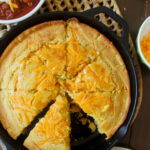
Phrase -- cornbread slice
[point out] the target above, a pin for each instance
(52, 131)
(102, 87)
(29, 69)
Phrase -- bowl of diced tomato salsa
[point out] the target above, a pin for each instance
(13, 11)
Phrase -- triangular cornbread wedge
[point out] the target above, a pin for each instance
(52, 132)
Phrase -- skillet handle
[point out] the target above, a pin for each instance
(112, 14)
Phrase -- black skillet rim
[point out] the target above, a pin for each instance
(120, 43)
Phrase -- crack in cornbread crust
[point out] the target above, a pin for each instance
(87, 37)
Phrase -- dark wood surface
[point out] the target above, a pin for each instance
(138, 137)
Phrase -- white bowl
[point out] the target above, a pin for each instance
(34, 10)
(144, 30)
(119, 148)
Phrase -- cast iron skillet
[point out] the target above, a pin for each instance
(93, 141)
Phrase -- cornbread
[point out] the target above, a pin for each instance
(29, 68)
(52, 132)
(57, 57)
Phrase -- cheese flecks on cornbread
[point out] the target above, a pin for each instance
(57, 57)
(53, 131)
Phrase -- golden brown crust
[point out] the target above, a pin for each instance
(8, 118)
(84, 33)
(30, 145)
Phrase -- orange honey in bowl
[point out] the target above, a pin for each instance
(145, 46)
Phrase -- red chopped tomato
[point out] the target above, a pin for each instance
(23, 7)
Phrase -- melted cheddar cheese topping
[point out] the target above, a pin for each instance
(93, 77)
(38, 70)
(78, 56)
(94, 104)
(55, 126)
(37, 73)
(29, 104)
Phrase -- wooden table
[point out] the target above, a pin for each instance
(138, 137)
